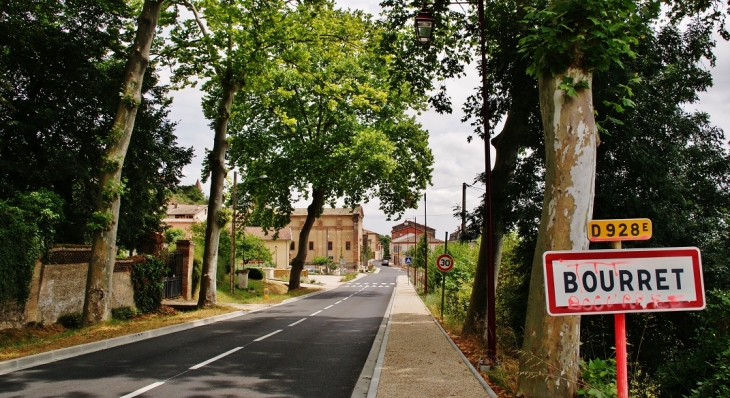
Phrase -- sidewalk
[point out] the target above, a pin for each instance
(418, 359)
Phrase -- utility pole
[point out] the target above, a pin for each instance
(425, 249)
(462, 236)
(233, 235)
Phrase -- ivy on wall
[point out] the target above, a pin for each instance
(147, 274)
(27, 223)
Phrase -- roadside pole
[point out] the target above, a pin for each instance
(619, 330)
(443, 275)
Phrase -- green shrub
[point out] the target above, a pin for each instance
(255, 274)
(147, 281)
(197, 274)
(123, 313)
(598, 378)
(70, 321)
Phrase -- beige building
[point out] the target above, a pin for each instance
(337, 234)
(279, 247)
(371, 240)
(183, 216)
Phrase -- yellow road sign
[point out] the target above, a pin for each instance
(619, 230)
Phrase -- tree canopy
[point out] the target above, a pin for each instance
(330, 122)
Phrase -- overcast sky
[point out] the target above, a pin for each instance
(456, 161)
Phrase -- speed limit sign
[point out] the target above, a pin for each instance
(445, 263)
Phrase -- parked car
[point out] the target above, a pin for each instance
(385, 261)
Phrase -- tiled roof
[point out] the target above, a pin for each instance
(328, 211)
(284, 233)
(369, 232)
(178, 209)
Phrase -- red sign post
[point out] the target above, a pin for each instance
(621, 281)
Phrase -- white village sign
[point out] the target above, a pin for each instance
(620, 281)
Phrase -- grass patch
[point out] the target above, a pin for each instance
(37, 338)
(348, 277)
(278, 292)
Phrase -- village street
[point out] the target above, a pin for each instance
(314, 347)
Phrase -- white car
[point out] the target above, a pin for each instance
(385, 262)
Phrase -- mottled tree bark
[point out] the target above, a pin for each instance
(550, 352)
(97, 301)
(297, 264)
(217, 161)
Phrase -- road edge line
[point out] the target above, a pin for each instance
(74, 351)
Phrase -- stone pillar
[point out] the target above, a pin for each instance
(31, 307)
(187, 248)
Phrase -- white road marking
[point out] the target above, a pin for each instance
(200, 365)
(298, 322)
(268, 335)
(316, 313)
(143, 390)
(338, 302)
(329, 307)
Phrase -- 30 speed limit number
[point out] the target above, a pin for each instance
(445, 263)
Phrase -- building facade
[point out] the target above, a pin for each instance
(336, 234)
(279, 247)
(405, 236)
(183, 216)
(371, 240)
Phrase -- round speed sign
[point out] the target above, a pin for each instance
(445, 263)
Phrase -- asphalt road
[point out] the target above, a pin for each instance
(315, 347)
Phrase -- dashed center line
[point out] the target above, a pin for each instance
(229, 352)
(316, 313)
(298, 322)
(143, 390)
(329, 307)
(338, 302)
(268, 335)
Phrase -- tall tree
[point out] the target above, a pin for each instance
(97, 302)
(227, 43)
(332, 123)
(60, 109)
(569, 41)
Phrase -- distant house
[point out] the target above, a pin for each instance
(183, 216)
(278, 247)
(337, 234)
(406, 235)
(371, 240)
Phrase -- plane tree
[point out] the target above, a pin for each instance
(330, 122)
(227, 45)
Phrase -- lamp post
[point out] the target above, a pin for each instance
(233, 230)
(424, 32)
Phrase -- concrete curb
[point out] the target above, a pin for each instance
(367, 383)
(70, 352)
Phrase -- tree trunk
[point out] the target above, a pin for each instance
(510, 140)
(217, 160)
(550, 352)
(97, 302)
(297, 264)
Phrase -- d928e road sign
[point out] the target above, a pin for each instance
(445, 262)
(619, 230)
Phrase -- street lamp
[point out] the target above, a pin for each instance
(233, 230)
(424, 25)
(424, 31)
